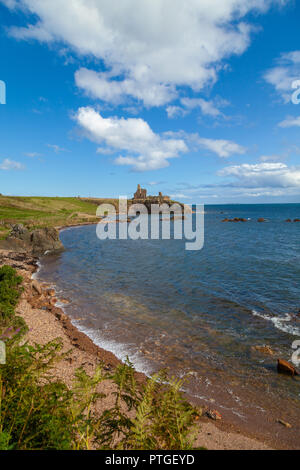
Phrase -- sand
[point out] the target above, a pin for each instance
(46, 322)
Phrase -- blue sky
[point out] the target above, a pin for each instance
(189, 98)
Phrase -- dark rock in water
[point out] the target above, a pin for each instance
(37, 242)
(236, 219)
(264, 350)
(285, 367)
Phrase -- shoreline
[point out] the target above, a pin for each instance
(46, 322)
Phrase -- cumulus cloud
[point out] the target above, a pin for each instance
(144, 150)
(149, 48)
(284, 74)
(263, 175)
(8, 164)
(223, 148)
(290, 122)
(258, 180)
(102, 86)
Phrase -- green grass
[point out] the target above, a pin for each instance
(37, 212)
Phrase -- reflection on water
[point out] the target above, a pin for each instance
(200, 312)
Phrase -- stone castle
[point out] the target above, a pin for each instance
(140, 196)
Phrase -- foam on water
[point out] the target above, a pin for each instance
(121, 351)
(281, 323)
(35, 275)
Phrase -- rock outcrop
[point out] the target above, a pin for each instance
(285, 367)
(36, 243)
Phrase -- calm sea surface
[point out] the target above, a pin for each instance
(194, 311)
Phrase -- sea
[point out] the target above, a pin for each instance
(199, 315)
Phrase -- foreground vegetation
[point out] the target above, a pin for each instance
(39, 412)
(38, 212)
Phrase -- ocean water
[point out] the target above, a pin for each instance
(197, 313)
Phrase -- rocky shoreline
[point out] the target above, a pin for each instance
(47, 322)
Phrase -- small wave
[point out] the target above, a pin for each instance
(281, 323)
(121, 351)
(35, 274)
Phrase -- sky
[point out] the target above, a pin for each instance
(198, 99)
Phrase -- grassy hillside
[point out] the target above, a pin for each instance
(36, 212)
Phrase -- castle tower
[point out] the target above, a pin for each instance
(140, 193)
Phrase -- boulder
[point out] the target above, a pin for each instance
(20, 232)
(45, 239)
(36, 243)
(36, 287)
(285, 367)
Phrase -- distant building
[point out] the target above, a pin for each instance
(141, 196)
(140, 193)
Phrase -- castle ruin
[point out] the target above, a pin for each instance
(140, 196)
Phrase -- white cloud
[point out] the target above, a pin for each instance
(258, 180)
(290, 122)
(270, 158)
(144, 150)
(180, 196)
(208, 108)
(100, 85)
(148, 47)
(56, 148)
(263, 175)
(9, 3)
(175, 111)
(223, 148)
(8, 164)
(33, 154)
(284, 74)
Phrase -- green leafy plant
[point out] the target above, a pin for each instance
(37, 411)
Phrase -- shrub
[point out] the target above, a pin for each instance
(39, 412)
